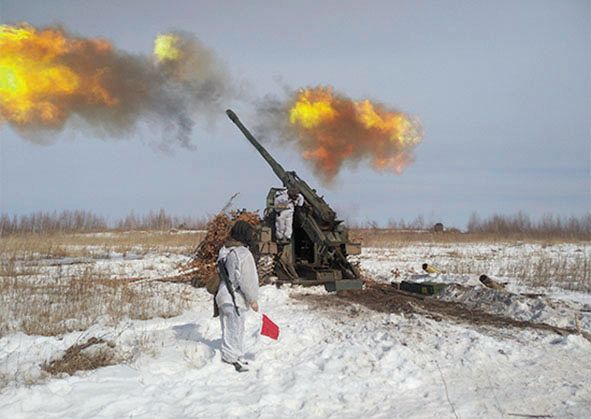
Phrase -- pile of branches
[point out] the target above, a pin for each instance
(201, 266)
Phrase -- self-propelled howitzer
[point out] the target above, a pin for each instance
(317, 252)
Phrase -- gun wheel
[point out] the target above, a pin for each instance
(265, 267)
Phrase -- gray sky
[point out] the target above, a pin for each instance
(503, 90)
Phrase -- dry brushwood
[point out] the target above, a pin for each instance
(251, 218)
(77, 358)
(201, 267)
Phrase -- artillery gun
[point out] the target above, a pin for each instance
(319, 246)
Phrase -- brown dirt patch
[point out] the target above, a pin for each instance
(385, 298)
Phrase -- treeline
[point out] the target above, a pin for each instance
(160, 220)
(496, 224)
(521, 223)
(46, 222)
(86, 221)
(418, 223)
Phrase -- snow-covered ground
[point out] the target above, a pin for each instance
(550, 303)
(523, 265)
(338, 361)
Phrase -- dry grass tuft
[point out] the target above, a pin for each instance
(97, 245)
(59, 306)
(538, 269)
(90, 355)
(42, 293)
(535, 262)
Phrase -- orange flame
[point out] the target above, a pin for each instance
(37, 83)
(333, 129)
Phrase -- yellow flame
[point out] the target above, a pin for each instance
(315, 106)
(396, 125)
(24, 78)
(35, 83)
(312, 107)
(166, 47)
(333, 129)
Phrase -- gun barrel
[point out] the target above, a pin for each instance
(289, 179)
(277, 168)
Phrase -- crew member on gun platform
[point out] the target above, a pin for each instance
(285, 202)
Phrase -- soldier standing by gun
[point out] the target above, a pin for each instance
(238, 291)
(285, 202)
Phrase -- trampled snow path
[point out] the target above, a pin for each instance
(337, 362)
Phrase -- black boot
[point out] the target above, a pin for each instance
(240, 367)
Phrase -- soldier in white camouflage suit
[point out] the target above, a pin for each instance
(285, 203)
(233, 304)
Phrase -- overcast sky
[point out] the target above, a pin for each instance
(503, 90)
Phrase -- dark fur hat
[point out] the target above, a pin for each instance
(241, 231)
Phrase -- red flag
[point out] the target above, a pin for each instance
(269, 328)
